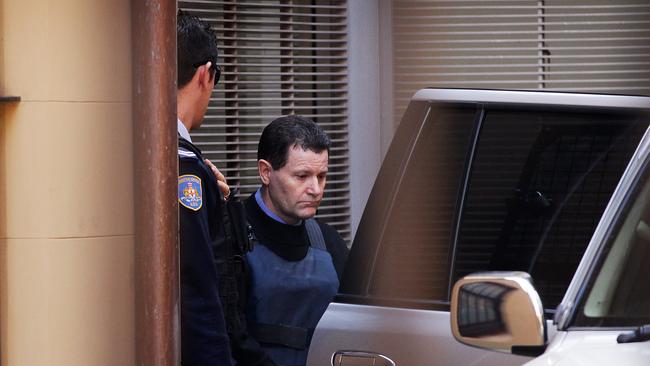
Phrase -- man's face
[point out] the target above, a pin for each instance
(295, 191)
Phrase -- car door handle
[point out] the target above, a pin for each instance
(359, 358)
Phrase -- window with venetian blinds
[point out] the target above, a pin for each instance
(565, 45)
(278, 57)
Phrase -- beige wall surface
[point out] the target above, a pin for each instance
(66, 211)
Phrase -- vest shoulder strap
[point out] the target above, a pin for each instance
(315, 234)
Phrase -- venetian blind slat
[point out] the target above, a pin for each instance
(334, 116)
(219, 5)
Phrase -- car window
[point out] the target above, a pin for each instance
(618, 293)
(413, 257)
(532, 185)
(539, 183)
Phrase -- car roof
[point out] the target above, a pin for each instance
(533, 98)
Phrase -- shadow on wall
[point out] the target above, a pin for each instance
(6, 112)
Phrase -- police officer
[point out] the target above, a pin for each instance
(296, 263)
(204, 340)
(213, 236)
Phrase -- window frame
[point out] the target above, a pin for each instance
(278, 57)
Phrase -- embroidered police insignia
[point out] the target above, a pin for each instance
(190, 193)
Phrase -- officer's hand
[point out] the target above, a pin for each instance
(221, 180)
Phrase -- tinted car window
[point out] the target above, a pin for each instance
(476, 189)
(413, 257)
(539, 184)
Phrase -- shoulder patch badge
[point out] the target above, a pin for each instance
(190, 192)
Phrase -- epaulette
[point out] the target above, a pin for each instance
(184, 153)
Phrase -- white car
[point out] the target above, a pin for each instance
(475, 180)
(604, 318)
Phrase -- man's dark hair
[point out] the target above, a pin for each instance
(289, 131)
(196, 45)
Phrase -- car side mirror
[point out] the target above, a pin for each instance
(499, 311)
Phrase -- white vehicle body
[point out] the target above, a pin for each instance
(592, 348)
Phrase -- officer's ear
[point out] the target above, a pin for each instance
(203, 73)
(264, 168)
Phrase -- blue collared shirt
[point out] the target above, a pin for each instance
(267, 211)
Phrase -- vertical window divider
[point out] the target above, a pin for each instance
(462, 194)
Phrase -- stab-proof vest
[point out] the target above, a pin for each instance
(287, 298)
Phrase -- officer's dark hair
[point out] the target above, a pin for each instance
(196, 45)
(289, 131)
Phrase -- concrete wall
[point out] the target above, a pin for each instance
(370, 104)
(66, 211)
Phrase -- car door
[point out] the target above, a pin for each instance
(468, 187)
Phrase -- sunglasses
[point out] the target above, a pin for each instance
(215, 67)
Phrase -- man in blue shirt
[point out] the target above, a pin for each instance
(296, 263)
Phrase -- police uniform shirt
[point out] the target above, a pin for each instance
(204, 340)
